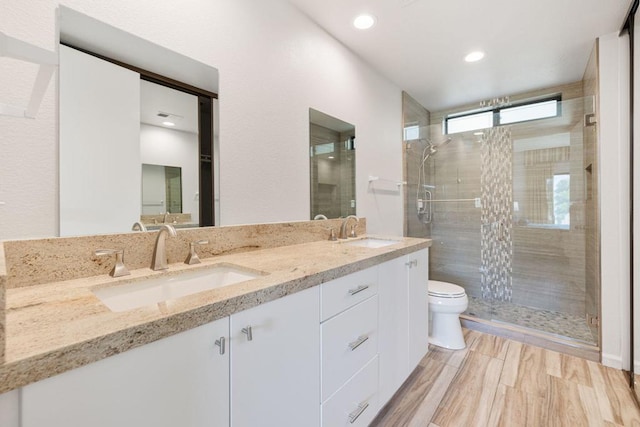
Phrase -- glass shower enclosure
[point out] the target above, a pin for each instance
(512, 212)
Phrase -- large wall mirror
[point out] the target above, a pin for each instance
(137, 133)
(332, 166)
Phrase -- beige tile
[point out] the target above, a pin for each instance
(532, 377)
(553, 363)
(589, 401)
(564, 404)
(490, 345)
(432, 399)
(549, 389)
(511, 364)
(514, 407)
(478, 377)
(575, 369)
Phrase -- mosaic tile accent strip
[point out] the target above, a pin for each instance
(496, 219)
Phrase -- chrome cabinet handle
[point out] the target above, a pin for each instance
(358, 289)
(355, 414)
(248, 332)
(412, 263)
(220, 342)
(357, 343)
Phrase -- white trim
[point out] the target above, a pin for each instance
(612, 361)
(613, 127)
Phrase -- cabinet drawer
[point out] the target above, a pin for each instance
(349, 341)
(356, 403)
(344, 292)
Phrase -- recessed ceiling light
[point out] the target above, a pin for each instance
(331, 157)
(168, 124)
(364, 21)
(474, 56)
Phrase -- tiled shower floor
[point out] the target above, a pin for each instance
(553, 322)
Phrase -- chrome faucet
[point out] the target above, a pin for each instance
(138, 226)
(193, 258)
(166, 215)
(119, 268)
(343, 228)
(159, 260)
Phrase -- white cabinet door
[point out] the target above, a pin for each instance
(393, 329)
(404, 319)
(177, 381)
(418, 306)
(10, 408)
(275, 363)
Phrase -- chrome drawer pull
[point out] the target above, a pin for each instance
(355, 414)
(357, 343)
(248, 332)
(358, 289)
(221, 343)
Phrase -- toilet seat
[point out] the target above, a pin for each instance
(445, 290)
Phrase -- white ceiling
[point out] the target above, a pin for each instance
(420, 44)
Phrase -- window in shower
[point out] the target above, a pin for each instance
(499, 116)
(528, 112)
(411, 132)
(468, 122)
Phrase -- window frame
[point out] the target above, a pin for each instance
(496, 111)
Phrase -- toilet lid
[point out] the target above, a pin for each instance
(445, 289)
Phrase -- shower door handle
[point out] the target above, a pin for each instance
(429, 207)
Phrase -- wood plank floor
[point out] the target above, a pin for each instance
(499, 382)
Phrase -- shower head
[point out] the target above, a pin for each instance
(433, 148)
(445, 142)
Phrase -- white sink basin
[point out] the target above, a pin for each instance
(158, 289)
(371, 243)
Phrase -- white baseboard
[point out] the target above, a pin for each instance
(612, 361)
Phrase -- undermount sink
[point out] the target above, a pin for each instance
(158, 289)
(370, 242)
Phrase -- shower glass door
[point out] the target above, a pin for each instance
(512, 212)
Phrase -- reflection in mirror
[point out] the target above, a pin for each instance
(161, 189)
(169, 154)
(125, 102)
(332, 166)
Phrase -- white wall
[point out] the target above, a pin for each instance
(168, 147)
(613, 126)
(274, 64)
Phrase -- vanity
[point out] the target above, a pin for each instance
(319, 333)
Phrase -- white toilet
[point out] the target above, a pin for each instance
(446, 302)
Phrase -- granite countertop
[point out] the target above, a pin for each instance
(55, 327)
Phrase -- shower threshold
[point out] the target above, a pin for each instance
(533, 337)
